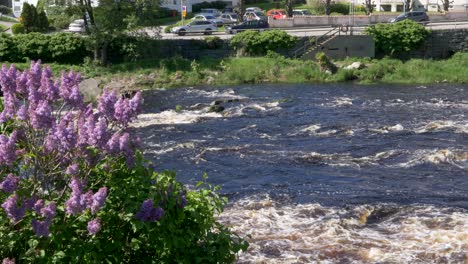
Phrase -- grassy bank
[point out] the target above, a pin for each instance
(178, 72)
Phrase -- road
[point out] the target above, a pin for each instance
(319, 31)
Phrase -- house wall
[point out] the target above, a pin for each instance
(358, 20)
(177, 4)
(17, 6)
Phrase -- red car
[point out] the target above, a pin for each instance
(277, 13)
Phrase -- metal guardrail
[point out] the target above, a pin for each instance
(309, 44)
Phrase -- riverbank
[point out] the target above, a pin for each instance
(180, 72)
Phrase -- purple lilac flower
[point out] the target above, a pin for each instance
(22, 113)
(87, 199)
(10, 183)
(8, 149)
(10, 103)
(106, 103)
(72, 170)
(35, 74)
(49, 211)
(113, 145)
(8, 79)
(21, 82)
(94, 226)
(65, 134)
(183, 201)
(148, 213)
(74, 204)
(41, 228)
(41, 115)
(38, 205)
(48, 88)
(126, 110)
(69, 89)
(8, 261)
(99, 198)
(100, 134)
(14, 212)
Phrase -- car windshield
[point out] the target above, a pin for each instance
(234, 16)
(209, 17)
(402, 15)
(259, 14)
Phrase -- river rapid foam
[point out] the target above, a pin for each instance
(324, 173)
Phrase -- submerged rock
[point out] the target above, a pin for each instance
(216, 108)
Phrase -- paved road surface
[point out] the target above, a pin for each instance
(317, 31)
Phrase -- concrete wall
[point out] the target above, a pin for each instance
(441, 44)
(340, 47)
(358, 20)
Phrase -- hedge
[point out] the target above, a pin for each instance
(60, 47)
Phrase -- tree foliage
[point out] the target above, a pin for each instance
(394, 38)
(253, 43)
(33, 20)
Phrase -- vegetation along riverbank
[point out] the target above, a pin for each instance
(180, 72)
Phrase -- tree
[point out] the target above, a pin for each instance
(407, 5)
(327, 7)
(114, 18)
(446, 4)
(369, 6)
(28, 17)
(42, 22)
(289, 7)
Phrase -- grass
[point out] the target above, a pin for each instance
(8, 19)
(180, 72)
(2, 28)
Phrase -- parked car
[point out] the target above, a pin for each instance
(254, 16)
(197, 26)
(301, 12)
(77, 26)
(229, 18)
(258, 25)
(276, 14)
(417, 16)
(253, 9)
(218, 22)
(212, 11)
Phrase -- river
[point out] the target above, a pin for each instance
(336, 173)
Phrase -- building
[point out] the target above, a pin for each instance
(417, 5)
(177, 4)
(17, 6)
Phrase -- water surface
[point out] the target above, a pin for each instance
(325, 173)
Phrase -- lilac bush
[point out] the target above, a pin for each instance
(74, 187)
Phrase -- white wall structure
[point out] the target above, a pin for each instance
(177, 4)
(17, 6)
(417, 5)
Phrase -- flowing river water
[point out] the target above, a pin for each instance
(325, 173)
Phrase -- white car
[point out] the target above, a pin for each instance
(197, 26)
(253, 9)
(77, 26)
(211, 18)
(229, 18)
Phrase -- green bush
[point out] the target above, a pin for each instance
(5, 10)
(394, 38)
(18, 28)
(253, 43)
(61, 47)
(341, 8)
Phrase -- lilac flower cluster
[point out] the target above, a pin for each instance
(8, 261)
(94, 226)
(80, 201)
(41, 228)
(10, 183)
(8, 149)
(149, 213)
(52, 122)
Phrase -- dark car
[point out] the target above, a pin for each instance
(417, 16)
(258, 25)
